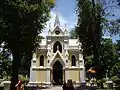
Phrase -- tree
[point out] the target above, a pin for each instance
(108, 57)
(6, 64)
(118, 49)
(89, 29)
(115, 71)
(73, 34)
(25, 64)
(22, 21)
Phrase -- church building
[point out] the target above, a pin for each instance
(58, 58)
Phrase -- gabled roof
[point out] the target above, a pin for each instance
(57, 54)
(58, 29)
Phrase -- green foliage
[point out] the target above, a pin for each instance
(115, 70)
(85, 28)
(114, 78)
(73, 34)
(118, 46)
(23, 77)
(21, 23)
(6, 61)
(114, 27)
(103, 80)
(108, 57)
(88, 62)
(25, 24)
(89, 29)
(109, 63)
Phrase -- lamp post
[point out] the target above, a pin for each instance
(107, 75)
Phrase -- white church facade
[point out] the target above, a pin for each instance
(57, 59)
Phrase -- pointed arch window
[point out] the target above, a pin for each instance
(41, 60)
(73, 59)
(57, 46)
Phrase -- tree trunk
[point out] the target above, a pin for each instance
(29, 61)
(15, 68)
(96, 40)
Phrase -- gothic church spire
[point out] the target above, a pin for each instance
(57, 21)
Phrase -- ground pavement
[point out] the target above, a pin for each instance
(60, 88)
(53, 88)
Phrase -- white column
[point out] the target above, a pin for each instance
(82, 68)
(48, 68)
(66, 74)
(32, 75)
(34, 59)
(82, 74)
(32, 71)
(7, 85)
(48, 76)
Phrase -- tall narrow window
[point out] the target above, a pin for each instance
(73, 63)
(41, 60)
(57, 46)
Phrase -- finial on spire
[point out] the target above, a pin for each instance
(65, 25)
(65, 30)
(49, 25)
(49, 31)
(57, 21)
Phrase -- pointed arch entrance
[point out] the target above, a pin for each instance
(57, 73)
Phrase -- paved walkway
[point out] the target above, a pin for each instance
(53, 88)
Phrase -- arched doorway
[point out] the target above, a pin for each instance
(58, 73)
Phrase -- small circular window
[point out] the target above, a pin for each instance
(57, 32)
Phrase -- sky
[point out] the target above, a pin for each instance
(67, 14)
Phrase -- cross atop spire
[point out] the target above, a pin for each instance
(57, 21)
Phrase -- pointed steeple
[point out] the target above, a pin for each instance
(57, 21)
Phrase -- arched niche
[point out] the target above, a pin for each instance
(41, 60)
(57, 46)
(73, 60)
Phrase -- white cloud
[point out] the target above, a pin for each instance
(70, 23)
